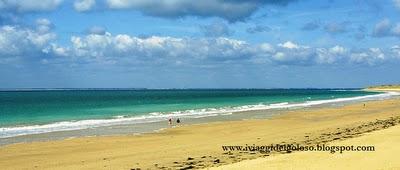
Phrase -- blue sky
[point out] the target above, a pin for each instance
(192, 44)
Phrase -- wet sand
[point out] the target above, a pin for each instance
(199, 146)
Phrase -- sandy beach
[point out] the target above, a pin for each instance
(205, 85)
(384, 157)
(383, 88)
(200, 146)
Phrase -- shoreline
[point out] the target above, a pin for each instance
(186, 146)
(260, 112)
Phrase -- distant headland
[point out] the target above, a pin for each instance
(389, 87)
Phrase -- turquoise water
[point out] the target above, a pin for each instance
(40, 107)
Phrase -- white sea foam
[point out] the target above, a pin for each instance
(6, 132)
(279, 104)
(347, 90)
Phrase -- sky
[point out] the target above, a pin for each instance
(199, 44)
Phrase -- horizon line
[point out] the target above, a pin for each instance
(56, 89)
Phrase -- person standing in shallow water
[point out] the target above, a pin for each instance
(178, 121)
(170, 121)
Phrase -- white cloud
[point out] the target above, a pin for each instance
(43, 25)
(294, 54)
(338, 50)
(266, 47)
(382, 28)
(97, 30)
(43, 21)
(377, 53)
(336, 28)
(56, 50)
(20, 42)
(395, 51)
(280, 56)
(385, 28)
(324, 56)
(331, 55)
(289, 44)
(372, 56)
(84, 5)
(359, 57)
(397, 3)
(155, 49)
(216, 29)
(396, 30)
(29, 5)
(290, 53)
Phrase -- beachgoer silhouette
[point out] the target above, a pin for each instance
(170, 121)
(178, 121)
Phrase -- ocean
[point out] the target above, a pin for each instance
(27, 112)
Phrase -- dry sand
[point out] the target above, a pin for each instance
(199, 146)
(383, 89)
(385, 156)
